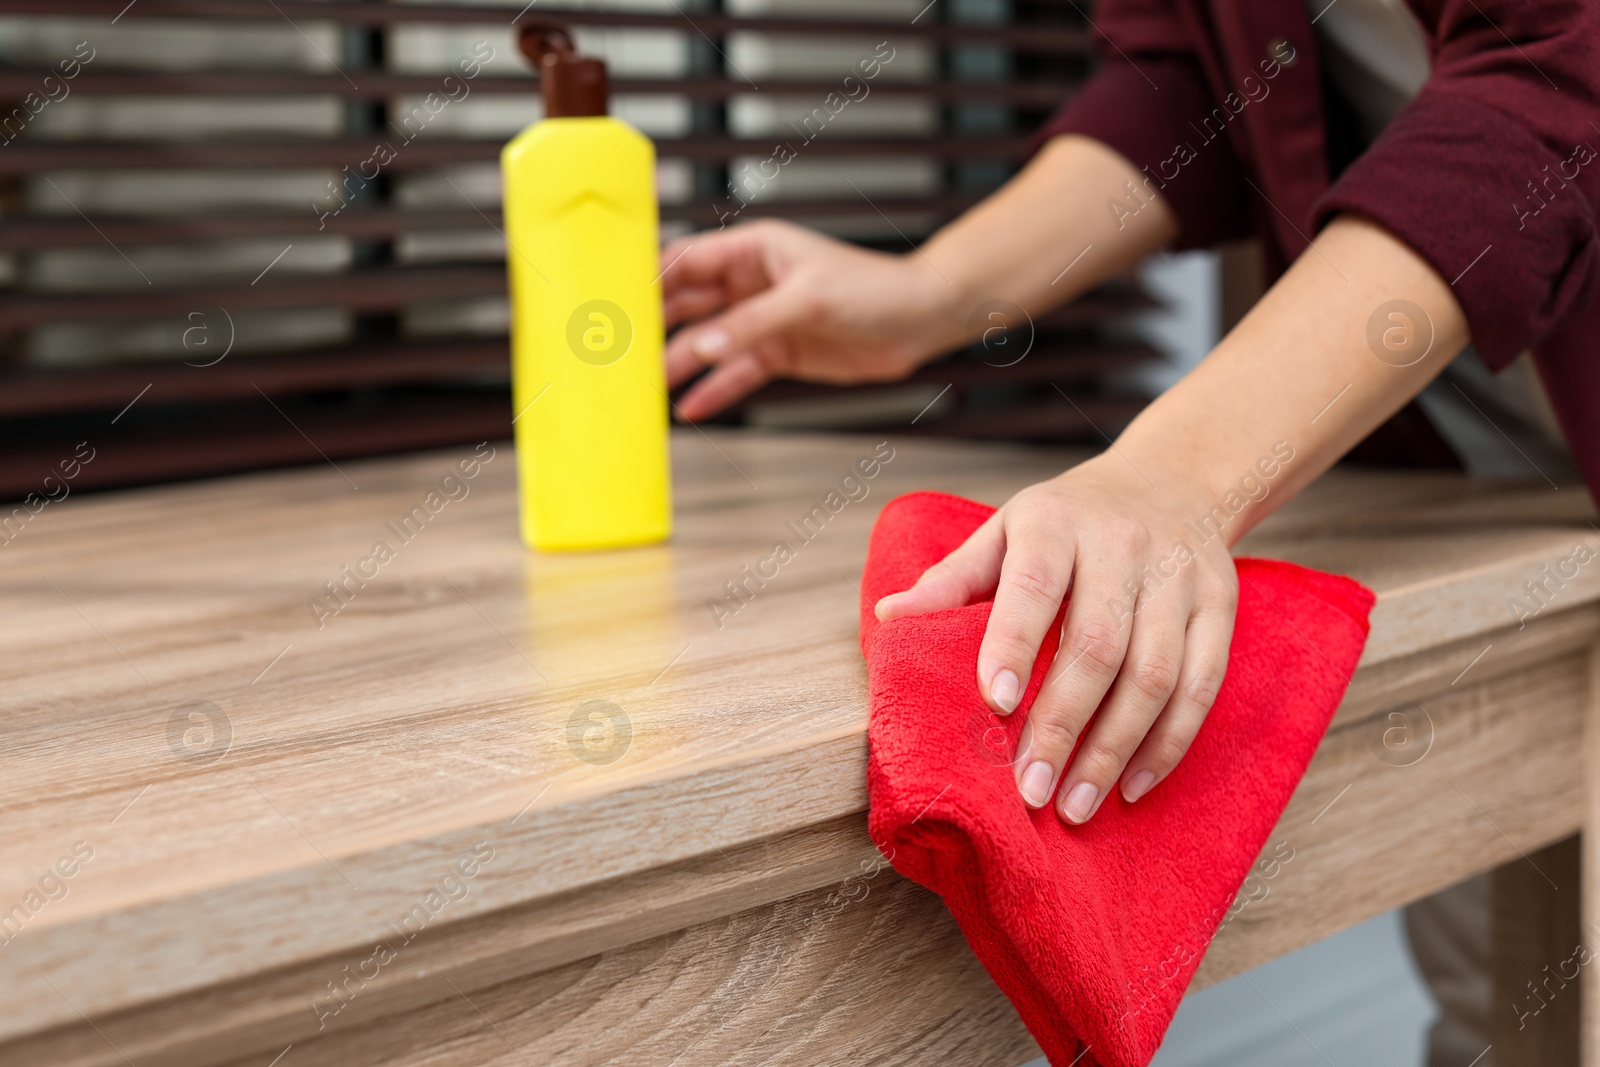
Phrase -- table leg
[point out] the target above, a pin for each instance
(1537, 959)
(1590, 1026)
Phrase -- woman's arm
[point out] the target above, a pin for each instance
(774, 299)
(1077, 215)
(1138, 536)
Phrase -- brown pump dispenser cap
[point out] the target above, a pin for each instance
(574, 86)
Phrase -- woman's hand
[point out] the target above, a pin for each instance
(771, 299)
(1145, 639)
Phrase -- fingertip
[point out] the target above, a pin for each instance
(1138, 785)
(1005, 691)
(727, 383)
(917, 600)
(1035, 784)
(1079, 803)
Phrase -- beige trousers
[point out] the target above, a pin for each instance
(1450, 935)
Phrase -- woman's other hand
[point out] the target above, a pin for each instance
(771, 299)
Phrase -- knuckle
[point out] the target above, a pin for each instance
(811, 304)
(822, 314)
(1027, 497)
(1036, 584)
(1131, 535)
(1034, 511)
(1220, 594)
(1098, 644)
(1053, 735)
(1102, 762)
(932, 582)
(1202, 689)
(1008, 644)
(1155, 676)
(1167, 749)
(769, 360)
(782, 232)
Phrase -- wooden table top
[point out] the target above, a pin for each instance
(258, 781)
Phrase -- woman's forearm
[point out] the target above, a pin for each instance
(1355, 329)
(1047, 236)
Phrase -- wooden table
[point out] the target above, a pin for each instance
(486, 806)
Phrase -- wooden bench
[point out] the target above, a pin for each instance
(484, 806)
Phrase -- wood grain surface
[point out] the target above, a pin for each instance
(266, 789)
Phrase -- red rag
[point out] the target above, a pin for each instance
(1092, 931)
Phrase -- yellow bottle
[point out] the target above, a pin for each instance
(588, 386)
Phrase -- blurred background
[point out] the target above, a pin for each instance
(246, 233)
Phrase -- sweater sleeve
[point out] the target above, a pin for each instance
(1145, 103)
(1492, 173)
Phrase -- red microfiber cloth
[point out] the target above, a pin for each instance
(1093, 931)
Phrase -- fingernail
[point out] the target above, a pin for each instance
(1036, 784)
(1080, 802)
(711, 344)
(883, 605)
(1138, 786)
(1003, 690)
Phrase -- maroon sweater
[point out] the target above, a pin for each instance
(1492, 174)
